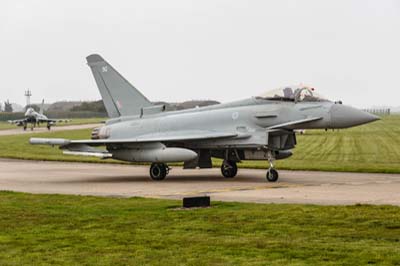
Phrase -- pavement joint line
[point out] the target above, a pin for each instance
(213, 191)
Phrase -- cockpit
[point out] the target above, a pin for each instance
(29, 111)
(292, 94)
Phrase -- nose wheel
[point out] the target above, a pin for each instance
(229, 169)
(272, 175)
(158, 171)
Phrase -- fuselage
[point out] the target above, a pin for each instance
(249, 119)
(32, 116)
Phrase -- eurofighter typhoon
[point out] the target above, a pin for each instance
(258, 128)
(34, 118)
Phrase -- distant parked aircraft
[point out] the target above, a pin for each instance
(258, 128)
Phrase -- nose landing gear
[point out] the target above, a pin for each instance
(272, 175)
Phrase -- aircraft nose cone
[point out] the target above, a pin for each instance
(343, 116)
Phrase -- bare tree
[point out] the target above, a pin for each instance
(8, 107)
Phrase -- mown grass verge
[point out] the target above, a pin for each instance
(81, 230)
(371, 148)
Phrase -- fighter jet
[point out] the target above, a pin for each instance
(258, 128)
(34, 118)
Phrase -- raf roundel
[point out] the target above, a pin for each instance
(235, 115)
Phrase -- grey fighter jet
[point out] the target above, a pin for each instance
(258, 128)
(34, 118)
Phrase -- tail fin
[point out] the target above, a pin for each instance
(119, 96)
(42, 107)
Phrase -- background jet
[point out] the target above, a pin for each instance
(34, 118)
(258, 128)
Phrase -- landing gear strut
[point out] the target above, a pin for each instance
(229, 169)
(48, 126)
(272, 175)
(158, 171)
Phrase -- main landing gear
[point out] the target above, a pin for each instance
(48, 126)
(158, 171)
(25, 126)
(229, 169)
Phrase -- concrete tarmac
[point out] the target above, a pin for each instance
(19, 130)
(323, 188)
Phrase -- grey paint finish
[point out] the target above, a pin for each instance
(119, 96)
(255, 128)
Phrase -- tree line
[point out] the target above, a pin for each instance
(7, 107)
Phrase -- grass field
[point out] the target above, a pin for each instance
(77, 230)
(75, 121)
(373, 147)
(370, 148)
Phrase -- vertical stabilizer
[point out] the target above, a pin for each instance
(41, 107)
(119, 96)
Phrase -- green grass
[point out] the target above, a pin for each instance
(18, 147)
(6, 125)
(75, 121)
(371, 148)
(78, 230)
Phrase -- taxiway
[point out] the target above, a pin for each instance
(19, 130)
(324, 188)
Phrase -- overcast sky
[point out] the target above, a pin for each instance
(204, 49)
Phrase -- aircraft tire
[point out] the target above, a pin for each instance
(158, 171)
(272, 175)
(229, 169)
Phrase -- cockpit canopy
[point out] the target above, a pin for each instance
(29, 111)
(293, 93)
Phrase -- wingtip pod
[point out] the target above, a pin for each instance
(94, 58)
(44, 141)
